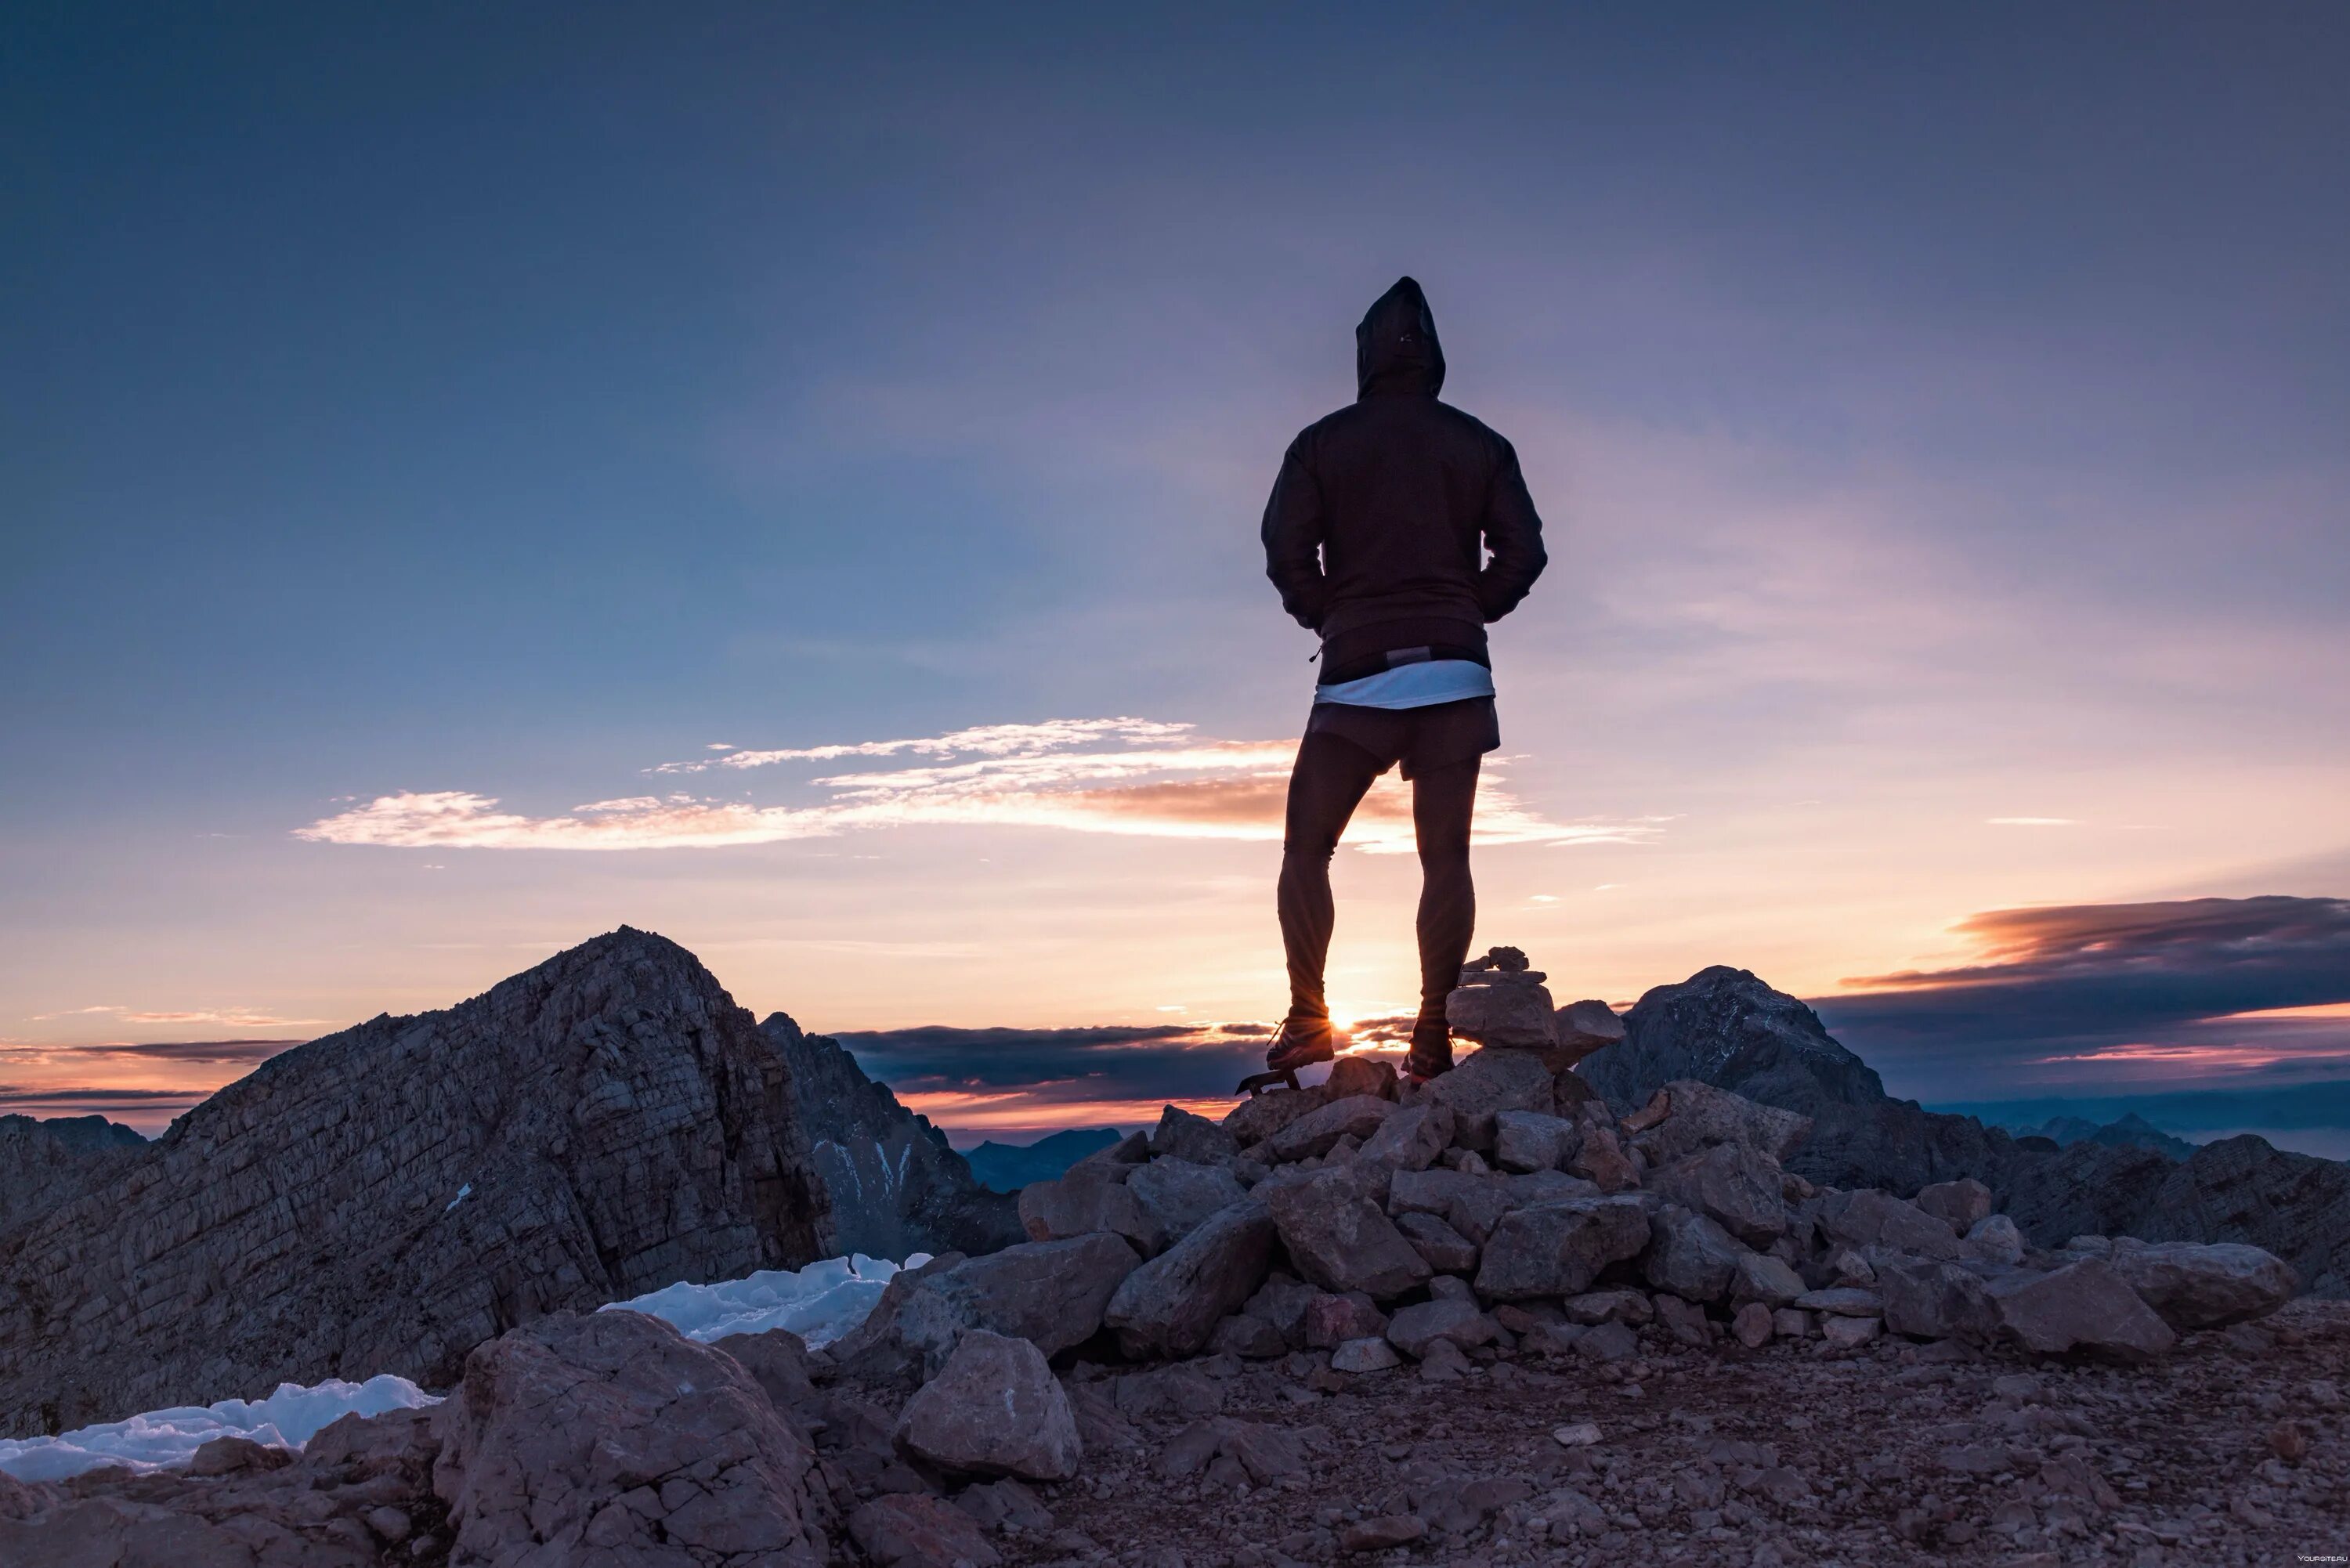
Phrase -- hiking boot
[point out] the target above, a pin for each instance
(1432, 1050)
(1301, 1043)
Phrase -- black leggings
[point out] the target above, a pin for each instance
(1325, 787)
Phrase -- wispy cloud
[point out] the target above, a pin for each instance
(183, 1053)
(2031, 822)
(1152, 779)
(228, 1018)
(2096, 992)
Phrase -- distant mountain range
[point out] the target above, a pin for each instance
(1009, 1167)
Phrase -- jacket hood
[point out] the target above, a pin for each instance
(1396, 348)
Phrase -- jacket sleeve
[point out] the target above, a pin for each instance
(1293, 532)
(1514, 534)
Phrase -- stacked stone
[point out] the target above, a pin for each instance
(1499, 1208)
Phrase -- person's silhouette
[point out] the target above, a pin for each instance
(1378, 537)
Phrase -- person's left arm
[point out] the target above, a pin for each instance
(1513, 532)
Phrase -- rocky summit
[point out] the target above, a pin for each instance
(387, 1198)
(1487, 1319)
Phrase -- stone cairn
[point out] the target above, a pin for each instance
(1501, 1208)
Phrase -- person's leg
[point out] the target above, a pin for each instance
(1324, 786)
(1442, 801)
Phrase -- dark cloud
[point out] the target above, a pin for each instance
(1143, 1062)
(228, 1052)
(2068, 994)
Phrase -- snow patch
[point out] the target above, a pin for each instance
(463, 1193)
(287, 1419)
(820, 1302)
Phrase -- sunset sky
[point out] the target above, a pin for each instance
(788, 479)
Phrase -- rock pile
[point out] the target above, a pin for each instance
(1500, 1206)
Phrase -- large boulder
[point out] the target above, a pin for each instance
(1358, 1117)
(2084, 1306)
(1872, 1219)
(1689, 1256)
(1529, 1141)
(1175, 1196)
(1259, 1117)
(1736, 1186)
(1338, 1237)
(994, 1409)
(1051, 1293)
(1410, 1139)
(910, 1530)
(1931, 1300)
(1503, 1009)
(1583, 1027)
(1170, 1306)
(2191, 1285)
(613, 1437)
(1559, 1249)
(1963, 1204)
(1181, 1134)
(1759, 1277)
(1088, 1199)
(1490, 1082)
(1415, 1328)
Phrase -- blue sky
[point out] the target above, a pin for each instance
(1937, 416)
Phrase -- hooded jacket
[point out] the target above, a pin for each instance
(1380, 520)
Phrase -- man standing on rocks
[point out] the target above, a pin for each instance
(1378, 536)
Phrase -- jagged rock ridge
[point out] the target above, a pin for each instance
(895, 1186)
(45, 1162)
(386, 1199)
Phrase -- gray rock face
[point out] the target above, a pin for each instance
(386, 1199)
(1170, 1306)
(1736, 1186)
(1340, 1240)
(553, 1422)
(893, 1186)
(44, 1163)
(2190, 1285)
(1558, 1248)
(2084, 1306)
(1175, 1196)
(1486, 1084)
(1689, 1255)
(994, 1409)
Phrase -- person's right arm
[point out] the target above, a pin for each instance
(1293, 532)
